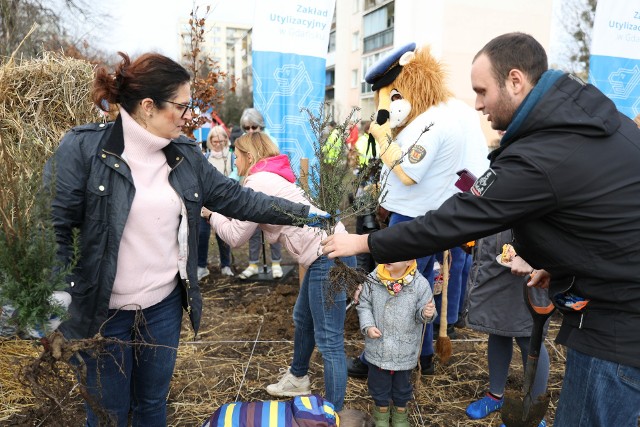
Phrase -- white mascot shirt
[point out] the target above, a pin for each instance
(455, 141)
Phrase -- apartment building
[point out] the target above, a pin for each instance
(228, 44)
(365, 30)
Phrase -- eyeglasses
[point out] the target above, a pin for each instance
(252, 127)
(217, 141)
(186, 107)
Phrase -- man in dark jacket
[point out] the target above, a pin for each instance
(565, 179)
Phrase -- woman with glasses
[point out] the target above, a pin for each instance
(126, 210)
(221, 157)
(318, 318)
(252, 121)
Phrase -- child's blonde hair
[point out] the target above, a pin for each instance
(259, 145)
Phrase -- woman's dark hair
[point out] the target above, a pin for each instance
(150, 76)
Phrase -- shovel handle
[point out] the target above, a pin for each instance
(540, 316)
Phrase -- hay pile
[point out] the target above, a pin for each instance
(40, 99)
(13, 396)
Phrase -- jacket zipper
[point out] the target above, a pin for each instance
(187, 283)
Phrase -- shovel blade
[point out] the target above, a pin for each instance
(514, 413)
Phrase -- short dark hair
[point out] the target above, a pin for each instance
(515, 50)
(151, 75)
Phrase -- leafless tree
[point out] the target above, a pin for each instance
(577, 20)
(58, 23)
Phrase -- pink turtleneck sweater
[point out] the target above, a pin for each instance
(148, 255)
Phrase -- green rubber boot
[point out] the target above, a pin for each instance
(381, 416)
(400, 418)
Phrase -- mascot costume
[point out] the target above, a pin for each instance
(424, 136)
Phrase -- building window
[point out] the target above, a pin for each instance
(329, 95)
(354, 79)
(378, 28)
(370, 4)
(329, 77)
(355, 41)
(332, 41)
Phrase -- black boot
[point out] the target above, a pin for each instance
(426, 365)
(356, 368)
(461, 323)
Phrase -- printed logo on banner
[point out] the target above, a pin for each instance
(614, 64)
(624, 81)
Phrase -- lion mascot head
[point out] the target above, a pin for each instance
(408, 81)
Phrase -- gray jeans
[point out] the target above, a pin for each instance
(255, 249)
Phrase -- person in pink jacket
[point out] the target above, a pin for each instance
(316, 321)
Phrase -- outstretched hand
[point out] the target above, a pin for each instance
(317, 216)
(341, 245)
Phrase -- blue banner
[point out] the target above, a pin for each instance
(614, 65)
(289, 51)
(619, 79)
(283, 83)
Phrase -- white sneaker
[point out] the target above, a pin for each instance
(202, 272)
(276, 271)
(248, 272)
(226, 271)
(290, 386)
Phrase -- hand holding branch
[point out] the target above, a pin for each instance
(341, 245)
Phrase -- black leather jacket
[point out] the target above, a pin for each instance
(567, 183)
(93, 193)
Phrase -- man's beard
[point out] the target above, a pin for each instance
(503, 112)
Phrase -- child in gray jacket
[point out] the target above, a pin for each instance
(393, 305)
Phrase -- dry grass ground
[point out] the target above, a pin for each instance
(244, 341)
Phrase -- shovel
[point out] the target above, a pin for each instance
(522, 410)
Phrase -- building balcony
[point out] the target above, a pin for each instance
(378, 40)
(329, 94)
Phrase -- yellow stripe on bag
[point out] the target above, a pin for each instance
(228, 415)
(273, 413)
(306, 402)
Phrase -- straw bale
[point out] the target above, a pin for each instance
(14, 397)
(40, 99)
